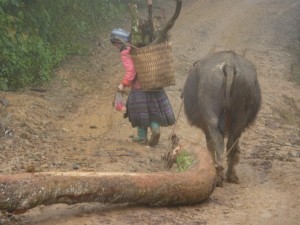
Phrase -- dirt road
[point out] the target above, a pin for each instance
(72, 126)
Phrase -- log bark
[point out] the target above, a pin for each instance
(21, 192)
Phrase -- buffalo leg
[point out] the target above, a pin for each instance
(215, 144)
(210, 147)
(233, 159)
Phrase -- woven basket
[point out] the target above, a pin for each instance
(154, 66)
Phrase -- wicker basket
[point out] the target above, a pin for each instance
(154, 66)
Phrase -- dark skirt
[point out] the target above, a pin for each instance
(144, 107)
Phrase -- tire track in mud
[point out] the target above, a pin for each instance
(213, 26)
(204, 26)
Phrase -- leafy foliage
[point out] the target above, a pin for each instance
(35, 35)
(184, 161)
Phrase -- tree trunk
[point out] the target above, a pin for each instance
(162, 34)
(136, 33)
(150, 21)
(21, 192)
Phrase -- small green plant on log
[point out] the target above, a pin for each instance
(184, 161)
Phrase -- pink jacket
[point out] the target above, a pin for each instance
(129, 79)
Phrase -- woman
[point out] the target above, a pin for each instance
(144, 108)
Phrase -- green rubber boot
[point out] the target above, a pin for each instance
(155, 129)
(142, 136)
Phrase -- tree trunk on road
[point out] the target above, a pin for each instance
(21, 192)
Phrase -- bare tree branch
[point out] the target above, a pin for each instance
(162, 35)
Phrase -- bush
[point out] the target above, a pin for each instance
(35, 35)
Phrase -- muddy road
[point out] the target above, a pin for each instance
(72, 126)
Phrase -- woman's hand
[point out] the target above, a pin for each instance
(121, 87)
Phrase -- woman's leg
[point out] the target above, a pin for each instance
(155, 129)
(141, 135)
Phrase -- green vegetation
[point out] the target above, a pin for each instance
(184, 161)
(36, 35)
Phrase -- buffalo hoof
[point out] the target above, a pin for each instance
(220, 175)
(232, 178)
(219, 182)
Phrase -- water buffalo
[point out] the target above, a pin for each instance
(222, 97)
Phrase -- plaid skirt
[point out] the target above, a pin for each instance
(144, 107)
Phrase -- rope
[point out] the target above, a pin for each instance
(227, 153)
(175, 126)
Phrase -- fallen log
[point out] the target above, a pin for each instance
(21, 192)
